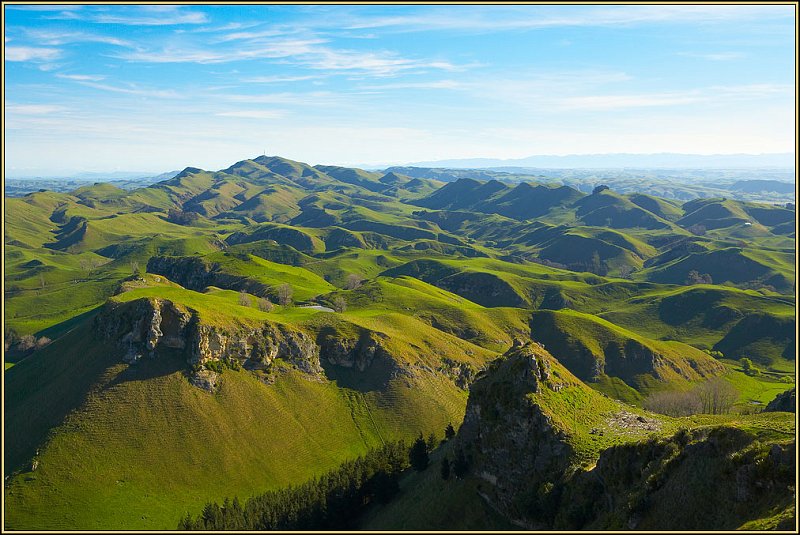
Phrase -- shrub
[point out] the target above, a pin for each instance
(265, 305)
(339, 304)
(285, 293)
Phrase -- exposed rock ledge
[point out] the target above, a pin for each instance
(143, 327)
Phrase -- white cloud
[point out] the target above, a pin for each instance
(312, 98)
(45, 8)
(82, 77)
(249, 36)
(133, 15)
(278, 79)
(153, 15)
(307, 52)
(711, 56)
(253, 114)
(715, 95)
(33, 109)
(29, 53)
(617, 102)
(136, 91)
(274, 49)
(496, 18)
(436, 84)
(51, 37)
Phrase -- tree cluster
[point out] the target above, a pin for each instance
(695, 277)
(23, 343)
(715, 396)
(331, 501)
(179, 217)
(284, 293)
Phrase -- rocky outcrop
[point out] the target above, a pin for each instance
(255, 348)
(513, 442)
(783, 402)
(461, 373)
(196, 273)
(144, 327)
(353, 352)
(205, 379)
(536, 467)
(721, 476)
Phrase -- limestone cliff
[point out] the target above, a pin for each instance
(144, 327)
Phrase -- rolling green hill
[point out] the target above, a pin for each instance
(222, 333)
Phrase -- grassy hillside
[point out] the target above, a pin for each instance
(144, 432)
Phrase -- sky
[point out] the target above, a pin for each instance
(158, 88)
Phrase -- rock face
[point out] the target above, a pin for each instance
(255, 348)
(358, 353)
(143, 327)
(783, 402)
(512, 441)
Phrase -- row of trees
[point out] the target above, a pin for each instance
(284, 293)
(715, 396)
(331, 501)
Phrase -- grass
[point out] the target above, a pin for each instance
(756, 391)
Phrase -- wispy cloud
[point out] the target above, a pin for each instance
(617, 102)
(712, 56)
(275, 49)
(310, 53)
(719, 95)
(30, 53)
(279, 79)
(436, 84)
(253, 114)
(249, 36)
(55, 37)
(312, 98)
(82, 77)
(33, 109)
(152, 16)
(45, 8)
(132, 90)
(140, 15)
(533, 17)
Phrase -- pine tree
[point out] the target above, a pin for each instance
(449, 432)
(432, 442)
(418, 455)
(460, 464)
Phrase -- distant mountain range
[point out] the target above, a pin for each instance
(624, 160)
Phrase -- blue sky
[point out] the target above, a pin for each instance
(157, 88)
